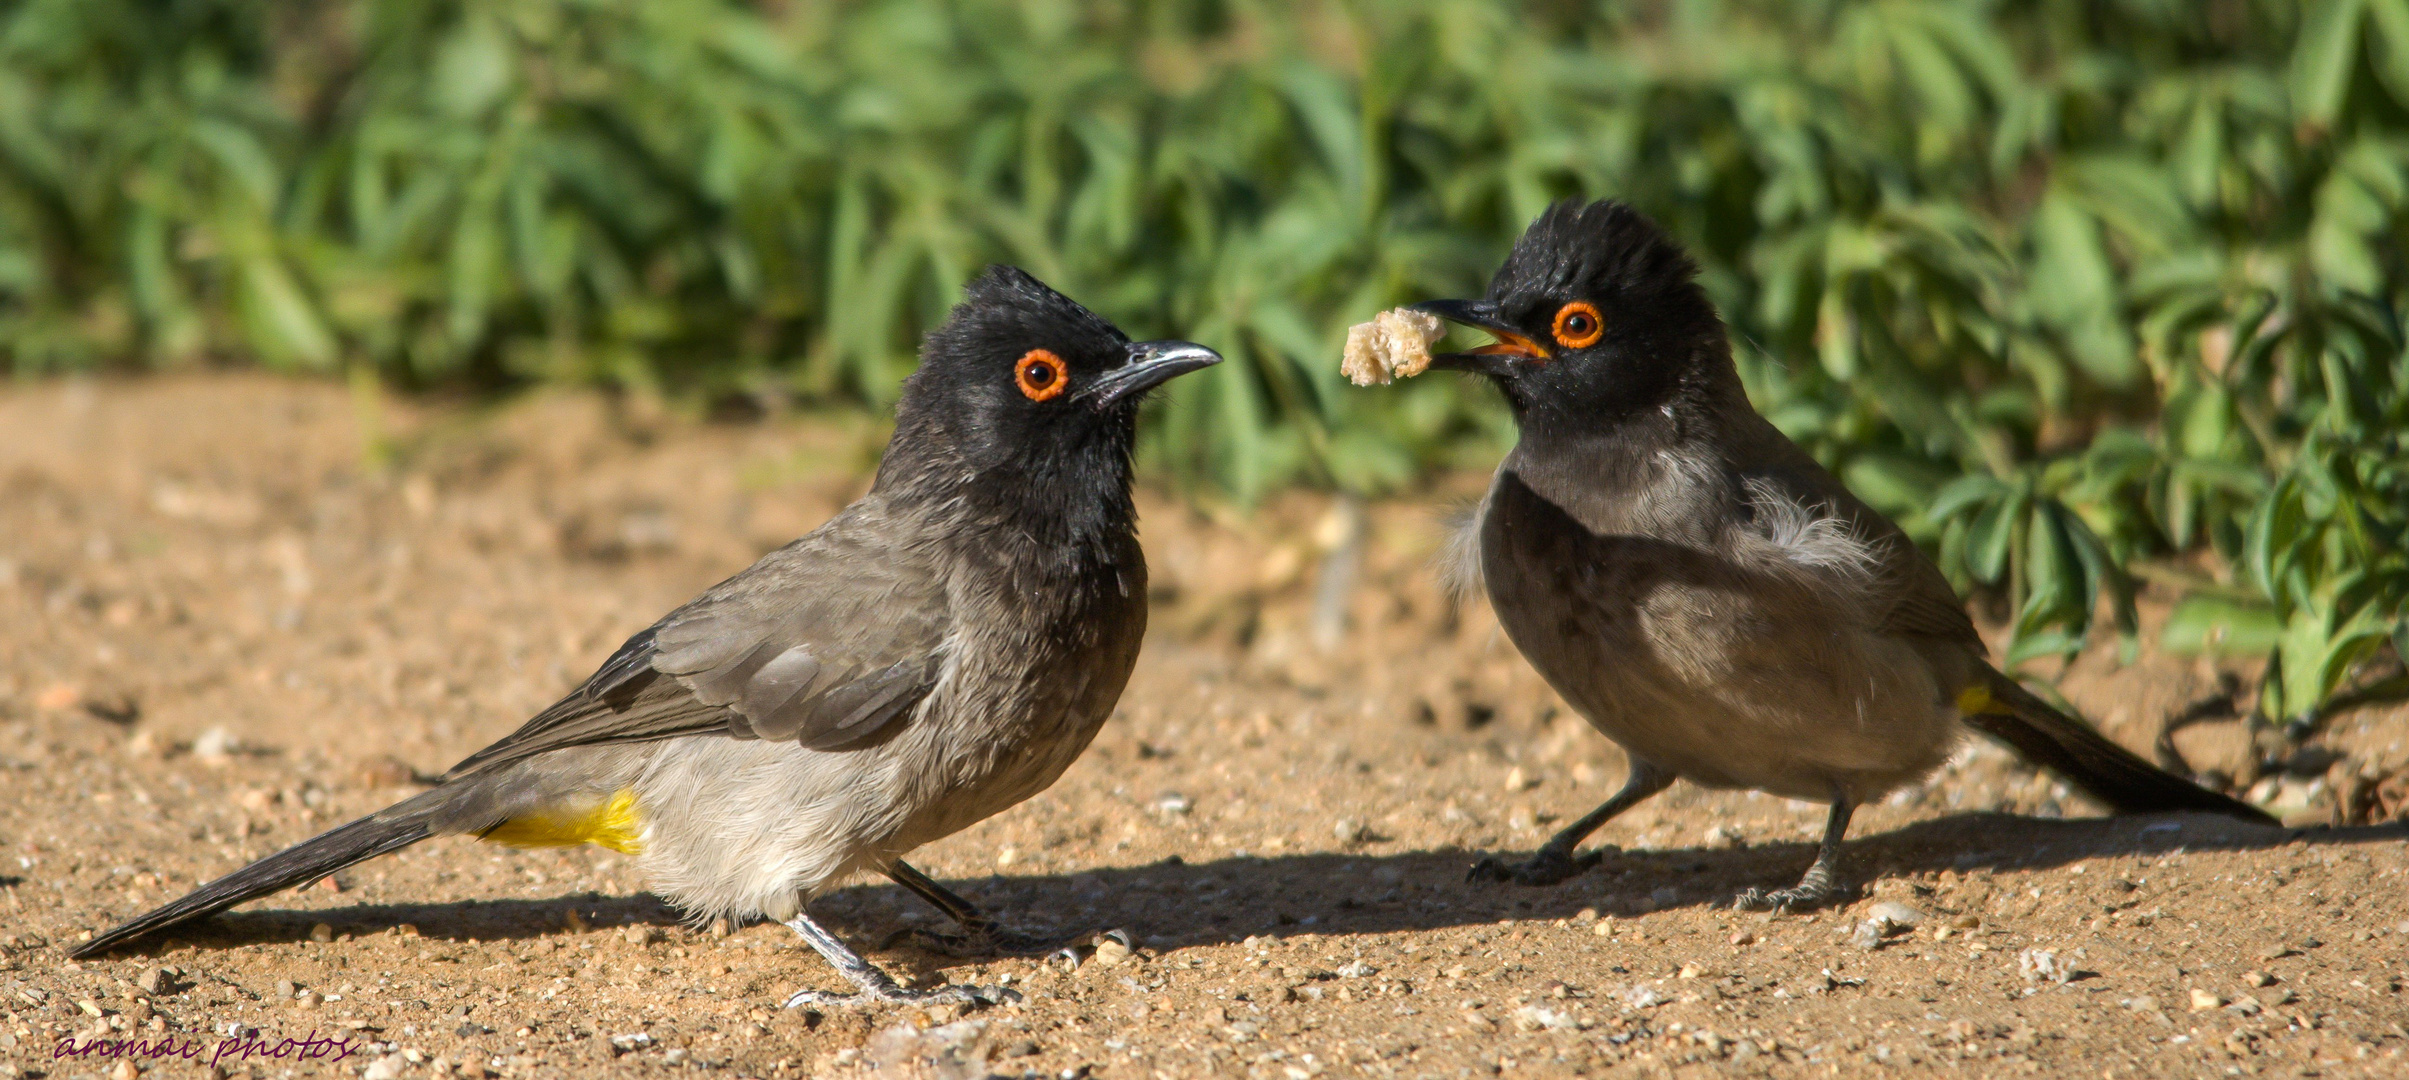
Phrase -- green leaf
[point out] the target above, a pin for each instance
(1988, 538)
(2322, 61)
(2202, 624)
(282, 319)
(1957, 495)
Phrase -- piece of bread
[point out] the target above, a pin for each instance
(1394, 345)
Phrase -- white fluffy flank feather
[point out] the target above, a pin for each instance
(1808, 538)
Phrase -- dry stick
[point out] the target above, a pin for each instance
(1338, 575)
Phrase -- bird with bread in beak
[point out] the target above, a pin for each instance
(1699, 587)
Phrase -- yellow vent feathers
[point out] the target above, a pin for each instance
(615, 824)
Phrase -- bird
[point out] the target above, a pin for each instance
(1698, 587)
(940, 650)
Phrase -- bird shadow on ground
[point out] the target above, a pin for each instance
(1173, 904)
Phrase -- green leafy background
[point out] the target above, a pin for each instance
(2078, 291)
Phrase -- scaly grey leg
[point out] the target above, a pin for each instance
(876, 987)
(981, 935)
(1555, 862)
(1822, 881)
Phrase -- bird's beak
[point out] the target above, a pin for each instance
(1151, 364)
(1500, 358)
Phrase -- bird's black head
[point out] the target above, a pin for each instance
(1023, 386)
(1597, 316)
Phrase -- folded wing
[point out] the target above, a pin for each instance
(828, 641)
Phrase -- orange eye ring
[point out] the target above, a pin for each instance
(1578, 325)
(1042, 376)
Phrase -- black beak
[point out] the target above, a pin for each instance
(1501, 358)
(1151, 364)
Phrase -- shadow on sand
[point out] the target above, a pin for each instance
(1173, 904)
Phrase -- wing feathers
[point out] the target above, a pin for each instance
(826, 641)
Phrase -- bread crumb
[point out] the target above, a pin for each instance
(1395, 344)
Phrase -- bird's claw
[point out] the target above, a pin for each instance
(1070, 956)
(1548, 867)
(1784, 901)
(968, 996)
(966, 945)
(994, 941)
(867, 997)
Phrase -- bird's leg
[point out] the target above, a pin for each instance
(1554, 861)
(1822, 881)
(877, 987)
(981, 935)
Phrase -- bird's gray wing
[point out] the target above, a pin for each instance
(827, 641)
(1914, 599)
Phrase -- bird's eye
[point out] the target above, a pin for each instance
(1041, 375)
(1578, 325)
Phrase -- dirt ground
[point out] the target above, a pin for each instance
(232, 614)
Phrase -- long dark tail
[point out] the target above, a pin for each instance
(2111, 773)
(299, 864)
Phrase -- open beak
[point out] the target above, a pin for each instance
(1151, 364)
(1498, 358)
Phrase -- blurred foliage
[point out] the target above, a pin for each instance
(2073, 288)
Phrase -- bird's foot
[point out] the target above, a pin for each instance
(870, 996)
(992, 940)
(1549, 867)
(1813, 892)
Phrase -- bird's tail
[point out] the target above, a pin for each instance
(2003, 710)
(391, 830)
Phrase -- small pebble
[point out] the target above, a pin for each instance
(1882, 921)
(2202, 1001)
(1895, 913)
(1110, 952)
(153, 981)
(1743, 938)
(322, 933)
(2257, 978)
(215, 747)
(642, 934)
(2042, 965)
(285, 989)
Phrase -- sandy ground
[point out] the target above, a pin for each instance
(222, 628)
